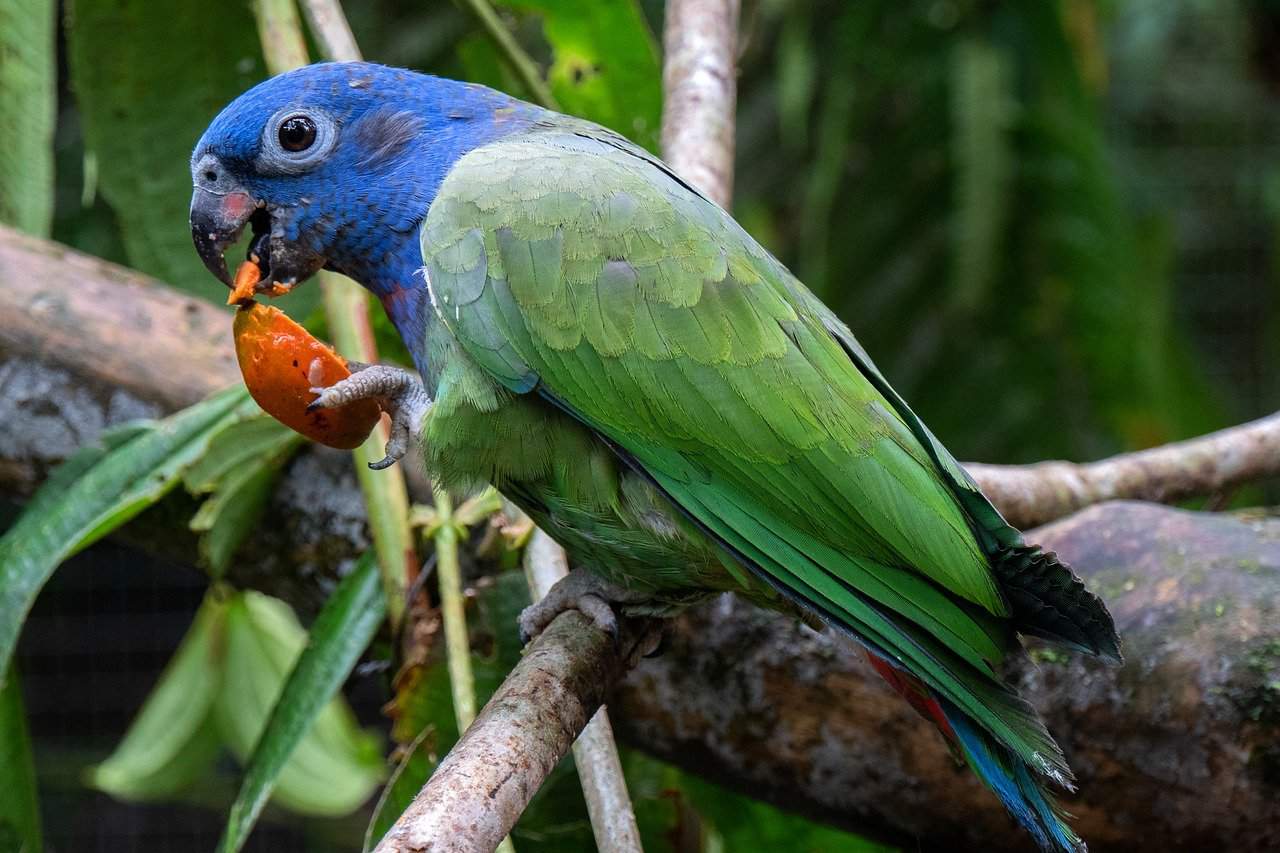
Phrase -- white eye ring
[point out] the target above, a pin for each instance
(273, 158)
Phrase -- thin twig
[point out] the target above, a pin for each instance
(385, 493)
(1029, 495)
(453, 612)
(699, 82)
(521, 64)
(347, 309)
(329, 27)
(595, 752)
(457, 640)
(283, 46)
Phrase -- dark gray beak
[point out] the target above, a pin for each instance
(217, 219)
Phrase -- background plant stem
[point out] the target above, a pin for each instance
(517, 59)
(347, 310)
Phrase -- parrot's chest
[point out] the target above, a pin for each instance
(609, 518)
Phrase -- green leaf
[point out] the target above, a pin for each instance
(79, 463)
(28, 107)
(237, 446)
(172, 742)
(240, 469)
(147, 84)
(232, 512)
(110, 488)
(19, 808)
(604, 63)
(335, 775)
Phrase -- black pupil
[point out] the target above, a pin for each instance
(297, 133)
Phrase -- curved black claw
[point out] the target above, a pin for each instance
(524, 635)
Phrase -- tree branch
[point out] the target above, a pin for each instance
(329, 27)
(1034, 494)
(119, 327)
(1176, 750)
(482, 786)
(595, 754)
(699, 84)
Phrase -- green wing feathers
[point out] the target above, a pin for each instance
(567, 262)
(1045, 597)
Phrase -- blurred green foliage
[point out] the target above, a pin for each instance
(146, 84)
(28, 106)
(961, 209)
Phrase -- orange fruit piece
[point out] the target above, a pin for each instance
(281, 362)
(246, 285)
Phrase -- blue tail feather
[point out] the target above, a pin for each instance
(1017, 785)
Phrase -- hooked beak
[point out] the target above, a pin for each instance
(217, 220)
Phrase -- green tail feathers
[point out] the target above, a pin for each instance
(1014, 769)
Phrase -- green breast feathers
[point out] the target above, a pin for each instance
(576, 271)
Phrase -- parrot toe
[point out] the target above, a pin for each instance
(580, 590)
(398, 391)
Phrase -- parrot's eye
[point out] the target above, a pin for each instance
(297, 133)
(295, 140)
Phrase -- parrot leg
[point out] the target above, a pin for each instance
(398, 391)
(581, 590)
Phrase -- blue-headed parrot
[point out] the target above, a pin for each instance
(624, 362)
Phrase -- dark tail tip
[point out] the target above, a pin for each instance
(1050, 602)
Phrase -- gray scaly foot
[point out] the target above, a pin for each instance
(398, 391)
(580, 590)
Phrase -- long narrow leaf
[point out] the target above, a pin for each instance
(239, 472)
(340, 633)
(336, 765)
(68, 515)
(28, 102)
(19, 811)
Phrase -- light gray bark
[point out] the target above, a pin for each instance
(699, 84)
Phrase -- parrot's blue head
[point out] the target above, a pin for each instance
(334, 165)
